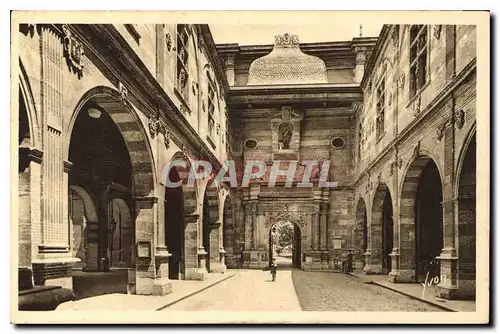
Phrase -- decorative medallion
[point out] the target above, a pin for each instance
(168, 41)
(73, 51)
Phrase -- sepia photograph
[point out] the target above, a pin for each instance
(250, 167)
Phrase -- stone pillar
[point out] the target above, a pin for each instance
(162, 284)
(52, 265)
(323, 215)
(195, 267)
(368, 252)
(315, 227)
(29, 204)
(448, 258)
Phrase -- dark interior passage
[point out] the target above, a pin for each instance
(429, 222)
(174, 227)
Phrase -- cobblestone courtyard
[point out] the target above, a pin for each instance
(295, 290)
(321, 291)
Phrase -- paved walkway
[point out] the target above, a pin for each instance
(415, 290)
(248, 290)
(125, 302)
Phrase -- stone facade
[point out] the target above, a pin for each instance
(406, 173)
(103, 109)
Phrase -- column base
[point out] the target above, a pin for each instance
(402, 276)
(373, 269)
(216, 267)
(196, 274)
(162, 286)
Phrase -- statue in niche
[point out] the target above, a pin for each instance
(284, 135)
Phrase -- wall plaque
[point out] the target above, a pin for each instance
(144, 249)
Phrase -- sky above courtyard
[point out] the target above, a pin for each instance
(250, 34)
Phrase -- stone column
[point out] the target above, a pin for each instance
(323, 215)
(315, 227)
(145, 266)
(448, 258)
(195, 266)
(254, 224)
(162, 284)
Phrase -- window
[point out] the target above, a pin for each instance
(211, 106)
(418, 58)
(183, 60)
(380, 128)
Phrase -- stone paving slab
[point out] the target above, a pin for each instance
(416, 290)
(125, 302)
(248, 290)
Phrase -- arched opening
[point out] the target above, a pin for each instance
(429, 222)
(421, 224)
(382, 230)
(285, 244)
(360, 236)
(101, 164)
(174, 226)
(467, 223)
(24, 185)
(112, 161)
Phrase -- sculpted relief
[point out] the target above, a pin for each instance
(285, 131)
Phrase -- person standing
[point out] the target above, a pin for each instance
(273, 268)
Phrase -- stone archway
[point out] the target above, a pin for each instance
(381, 230)
(360, 235)
(288, 254)
(110, 153)
(299, 237)
(466, 197)
(182, 220)
(421, 222)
